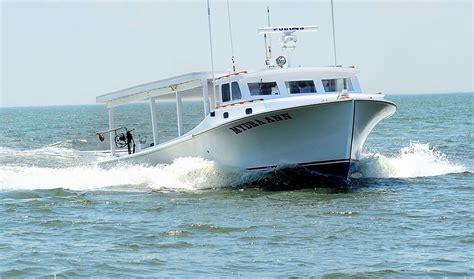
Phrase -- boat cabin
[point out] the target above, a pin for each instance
(228, 90)
(277, 83)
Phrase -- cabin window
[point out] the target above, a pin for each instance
(263, 88)
(300, 86)
(230, 90)
(236, 91)
(225, 90)
(338, 84)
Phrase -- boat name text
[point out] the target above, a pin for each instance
(288, 28)
(259, 122)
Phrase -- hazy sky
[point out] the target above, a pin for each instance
(68, 52)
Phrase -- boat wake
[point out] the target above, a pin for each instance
(185, 174)
(52, 167)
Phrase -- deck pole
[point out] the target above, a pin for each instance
(112, 133)
(214, 93)
(153, 121)
(179, 113)
(205, 95)
(333, 33)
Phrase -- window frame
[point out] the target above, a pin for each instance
(227, 85)
(259, 83)
(232, 90)
(348, 85)
(313, 87)
(230, 85)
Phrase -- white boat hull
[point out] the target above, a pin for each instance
(325, 137)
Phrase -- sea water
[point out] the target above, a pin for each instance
(409, 211)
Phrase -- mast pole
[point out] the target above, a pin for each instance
(269, 35)
(231, 41)
(333, 34)
(212, 57)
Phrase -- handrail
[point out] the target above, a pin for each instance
(232, 74)
(239, 103)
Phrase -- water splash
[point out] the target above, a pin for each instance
(415, 160)
(57, 167)
(185, 174)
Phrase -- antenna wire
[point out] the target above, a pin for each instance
(230, 34)
(212, 56)
(333, 33)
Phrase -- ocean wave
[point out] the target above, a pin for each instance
(49, 156)
(69, 143)
(416, 160)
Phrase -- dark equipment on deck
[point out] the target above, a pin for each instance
(123, 137)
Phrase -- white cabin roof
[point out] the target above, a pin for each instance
(189, 84)
(183, 83)
(273, 74)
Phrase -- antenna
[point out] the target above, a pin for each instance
(288, 38)
(333, 33)
(269, 36)
(267, 61)
(230, 33)
(268, 47)
(212, 57)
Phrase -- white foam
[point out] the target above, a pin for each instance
(416, 160)
(185, 174)
(53, 167)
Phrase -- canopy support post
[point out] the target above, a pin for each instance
(153, 121)
(111, 133)
(214, 94)
(179, 113)
(205, 95)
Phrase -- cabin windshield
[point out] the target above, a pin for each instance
(236, 94)
(300, 86)
(225, 90)
(263, 88)
(232, 90)
(338, 84)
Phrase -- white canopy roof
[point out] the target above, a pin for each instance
(183, 83)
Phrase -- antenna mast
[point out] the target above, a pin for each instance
(269, 36)
(268, 47)
(212, 57)
(230, 33)
(333, 33)
(288, 39)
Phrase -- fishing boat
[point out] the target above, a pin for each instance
(316, 118)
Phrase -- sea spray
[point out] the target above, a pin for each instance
(416, 160)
